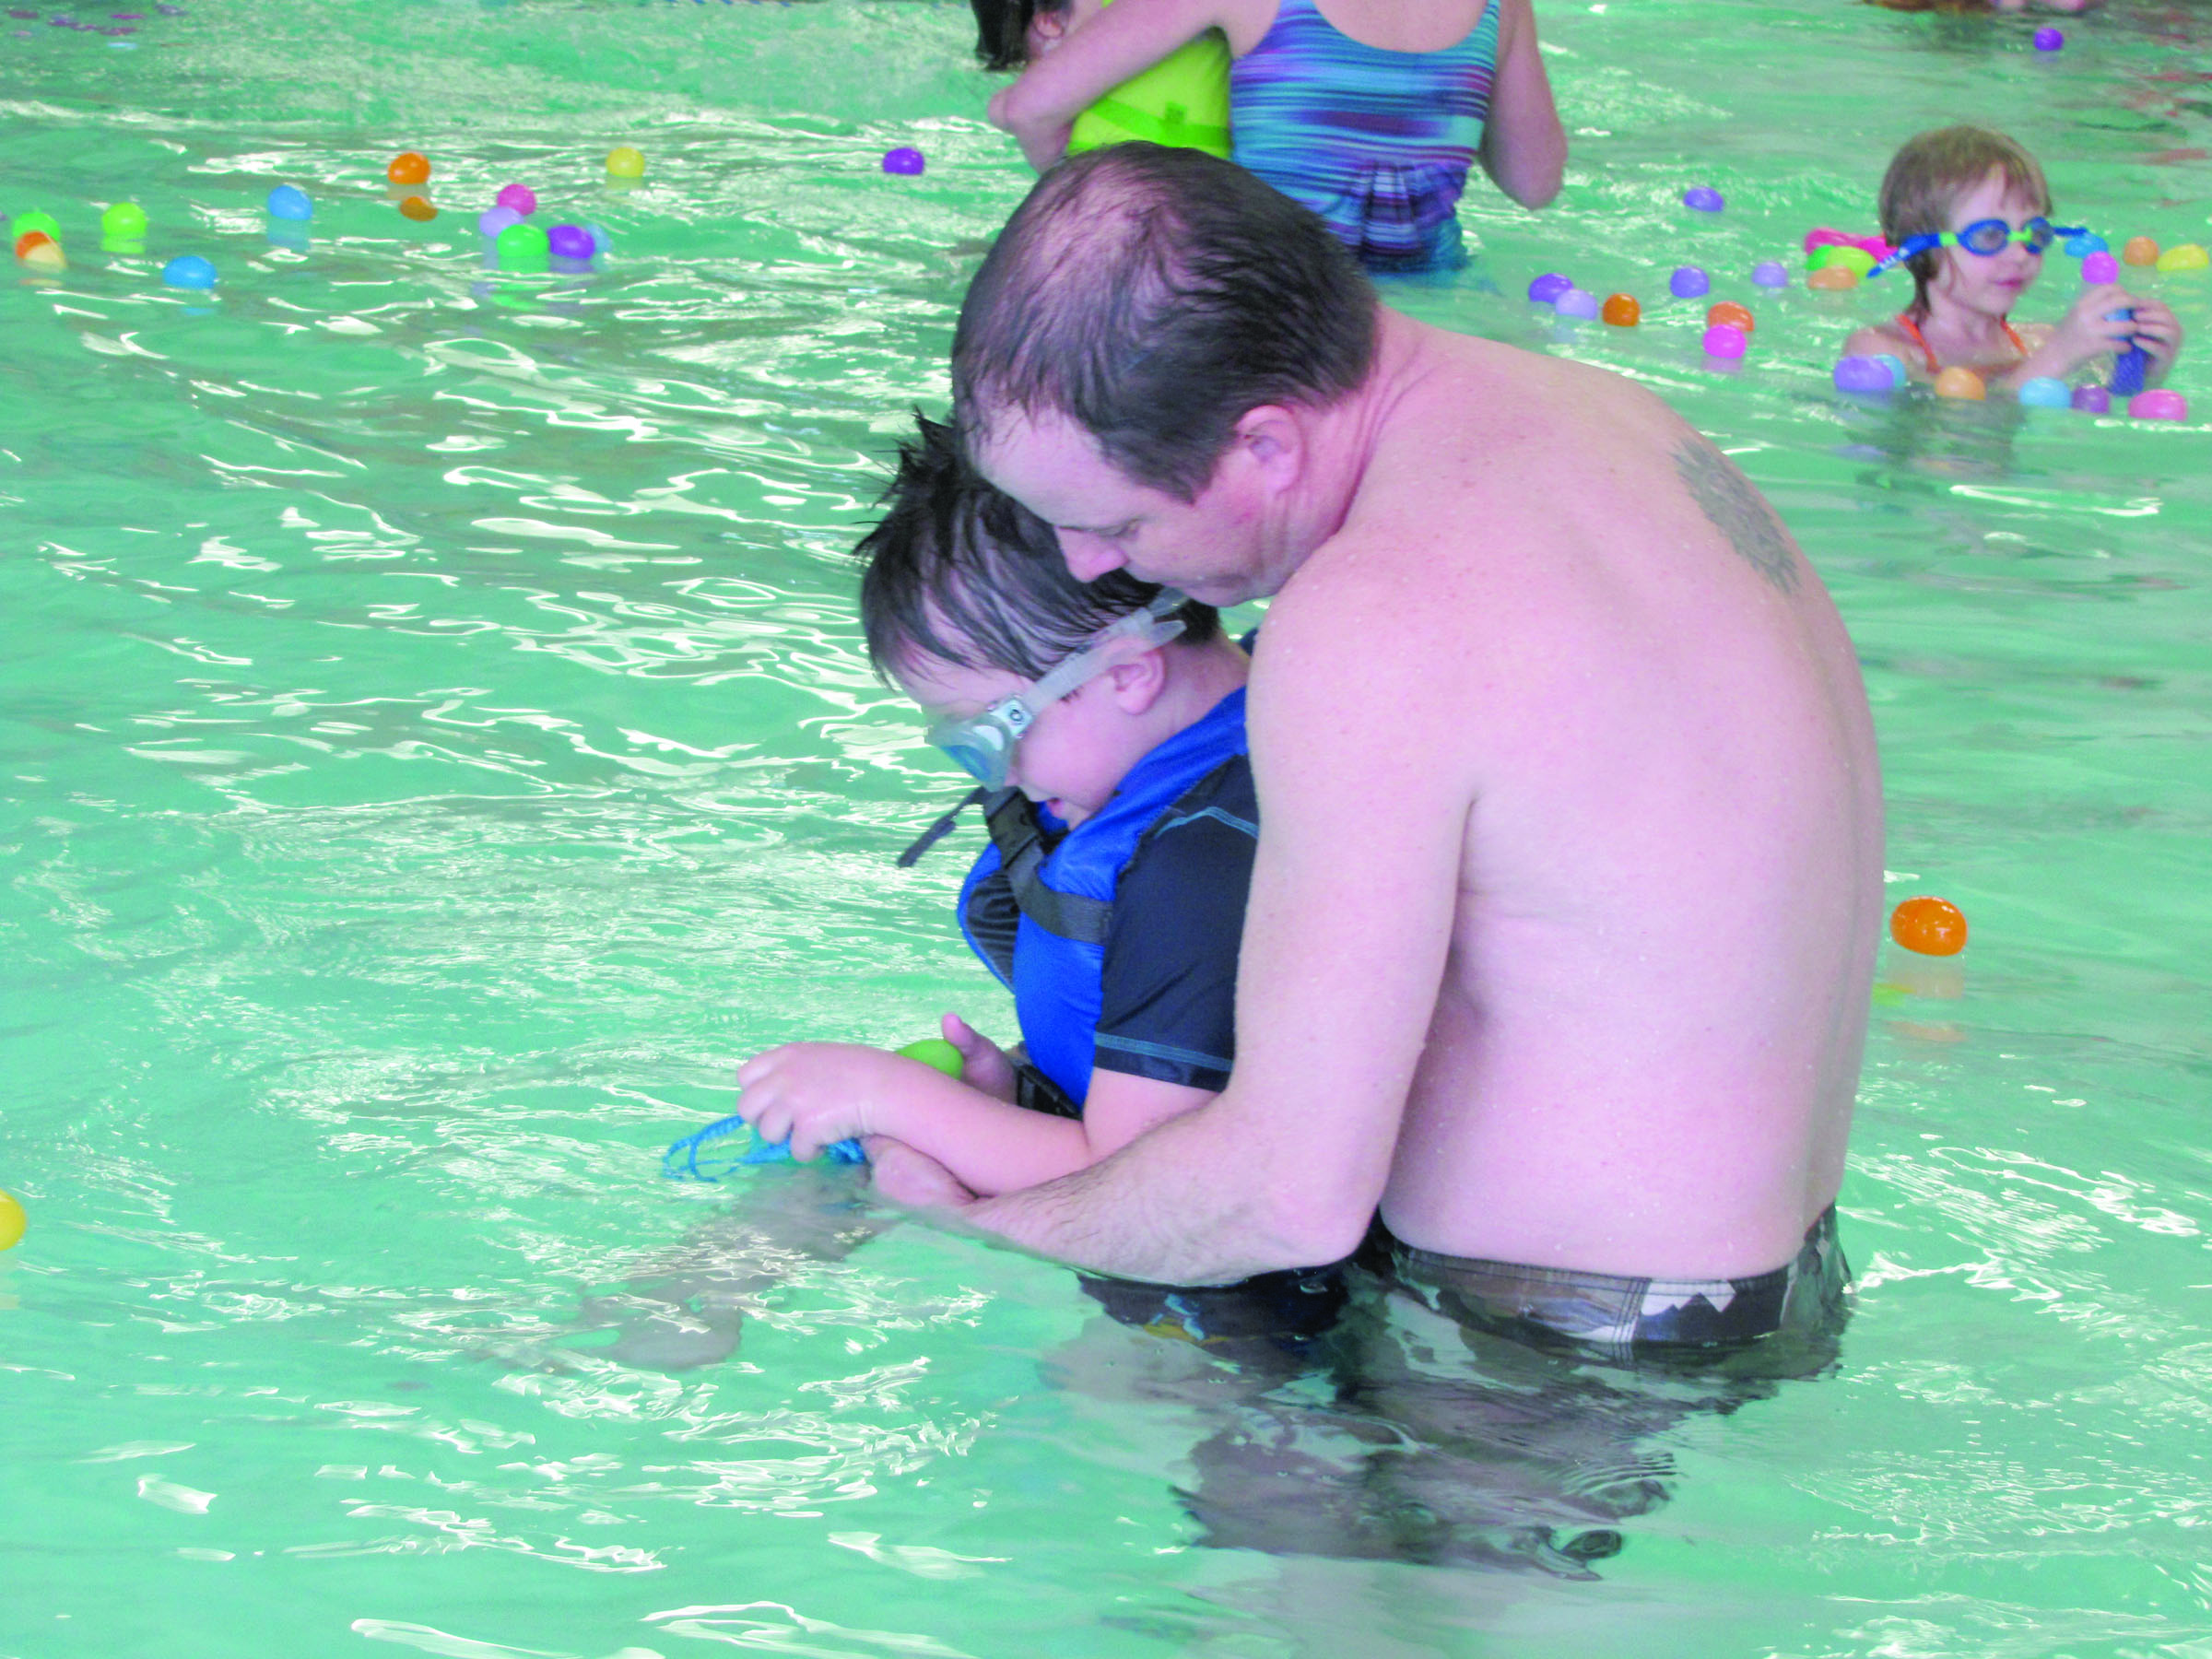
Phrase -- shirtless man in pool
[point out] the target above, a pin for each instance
(1570, 871)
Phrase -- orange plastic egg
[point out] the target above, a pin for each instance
(409, 167)
(1960, 383)
(30, 242)
(418, 208)
(1930, 926)
(1621, 310)
(2140, 250)
(1728, 314)
(1833, 278)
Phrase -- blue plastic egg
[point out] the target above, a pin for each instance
(188, 271)
(1576, 302)
(2045, 392)
(286, 201)
(1770, 273)
(1899, 373)
(1703, 198)
(493, 220)
(1689, 282)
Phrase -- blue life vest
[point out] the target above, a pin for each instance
(1054, 959)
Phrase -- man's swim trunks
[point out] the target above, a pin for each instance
(1612, 1317)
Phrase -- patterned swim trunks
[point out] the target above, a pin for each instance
(1619, 1318)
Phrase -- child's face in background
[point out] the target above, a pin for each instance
(1072, 759)
(1047, 28)
(1991, 283)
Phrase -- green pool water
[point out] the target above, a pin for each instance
(436, 748)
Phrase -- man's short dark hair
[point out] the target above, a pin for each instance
(963, 572)
(1153, 297)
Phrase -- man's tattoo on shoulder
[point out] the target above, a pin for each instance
(1738, 512)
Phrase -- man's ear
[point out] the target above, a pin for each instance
(1272, 441)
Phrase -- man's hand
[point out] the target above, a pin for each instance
(912, 1179)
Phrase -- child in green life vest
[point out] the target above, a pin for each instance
(1182, 100)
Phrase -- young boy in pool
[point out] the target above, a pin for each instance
(1106, 723)
(1973, 208)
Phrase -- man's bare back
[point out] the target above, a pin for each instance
(1570, 871)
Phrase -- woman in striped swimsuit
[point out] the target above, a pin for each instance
(1370, 112)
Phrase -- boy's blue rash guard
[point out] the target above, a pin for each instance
(1127, 959)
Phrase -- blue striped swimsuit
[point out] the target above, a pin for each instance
(1376, 142)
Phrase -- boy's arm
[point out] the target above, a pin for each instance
(814, 1093)
(1117, 43)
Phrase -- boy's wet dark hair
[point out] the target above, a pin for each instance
(1153, 297)
(963, 572)
(1002, 29)
(1934, 169)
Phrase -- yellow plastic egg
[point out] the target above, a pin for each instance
(11, 1220)
(2186, 256)
(623, 162)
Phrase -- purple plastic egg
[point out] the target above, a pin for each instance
(493, 220)
(1722, 341)
(2099, 267)
(2049, 39)
(1770, 273)
(520, 198)
(1577, 303)
(1860, 374)
(2159, 405)
(2092, 400)
(1689, 282)
(904, 160)
(1703, 198)
(1548, 288)
(570, 241)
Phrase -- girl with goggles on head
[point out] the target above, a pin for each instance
(1968, 211)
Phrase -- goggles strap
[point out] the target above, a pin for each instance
(941, 828)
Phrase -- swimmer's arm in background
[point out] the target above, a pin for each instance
(1881, 340)
(819, 1092)
(1130, 36)
(1524, 146)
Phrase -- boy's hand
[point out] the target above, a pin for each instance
(985, 1067)
(2158, 332)
(814, 1093)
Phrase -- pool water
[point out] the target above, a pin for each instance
(438, 747)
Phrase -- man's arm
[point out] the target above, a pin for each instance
(1358, 733)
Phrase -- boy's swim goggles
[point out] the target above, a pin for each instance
(1984, 237)
(984, 744)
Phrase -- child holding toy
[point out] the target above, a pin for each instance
(1968, 212)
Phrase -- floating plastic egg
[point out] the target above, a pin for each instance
(2092, 400)
(1832, 278)
(188, 271)
(1576, 302)
(2186, 256)
(2159, 404)
(493, 220)
(1689, 282)
(1547, 289)
(570, 241)
(409, 166)
(1728, 314)
(126, 221)
(1770, 273)
(2100, 267)
(1931, 926)
(520, 198)
(1962, 384)
(623, 162)
(904, 160)
(1703, 198)
(2045, 392)
(1863, 374)
(286, 201)
(2139, 251)
(1722, 341)
(2049, 39)
(523, 247)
